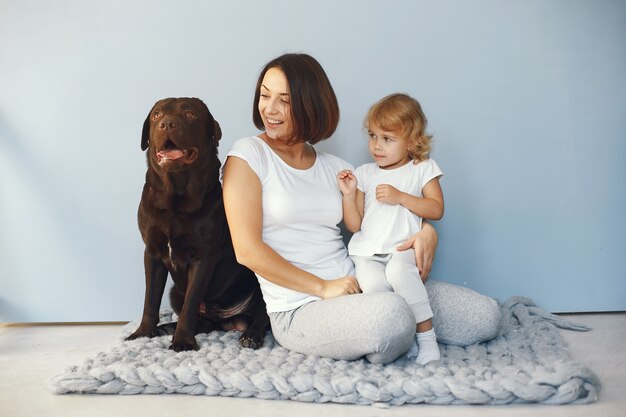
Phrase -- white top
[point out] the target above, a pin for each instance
(385, 226)
(301, 211)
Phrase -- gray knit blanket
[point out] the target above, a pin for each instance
(527, 363)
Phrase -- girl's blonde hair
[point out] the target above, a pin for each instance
(402, 113)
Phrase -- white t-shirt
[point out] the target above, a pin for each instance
(301, 211)
(385, 226)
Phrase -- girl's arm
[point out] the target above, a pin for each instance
(244, 212)
(430, 206)
(352, 201)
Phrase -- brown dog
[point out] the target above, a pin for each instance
(183, 224)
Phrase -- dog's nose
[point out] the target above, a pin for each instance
(167, 124)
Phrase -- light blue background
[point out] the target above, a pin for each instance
(526, 101)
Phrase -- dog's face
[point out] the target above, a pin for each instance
(177, 131)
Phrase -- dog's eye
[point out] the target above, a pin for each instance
(189, 114)
(156, 115)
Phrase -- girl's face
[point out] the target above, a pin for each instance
(275, 105)
(389, 149)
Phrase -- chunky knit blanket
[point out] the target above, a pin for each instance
(527, 363)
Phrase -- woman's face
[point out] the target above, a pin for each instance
(389, 149)
(275, 105)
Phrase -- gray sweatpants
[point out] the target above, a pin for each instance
(381, 326)
(395, 272)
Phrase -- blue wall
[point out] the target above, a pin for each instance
(526, 101)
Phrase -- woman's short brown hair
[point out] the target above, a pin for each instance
(314, 107)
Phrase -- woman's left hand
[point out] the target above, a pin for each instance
(425, 244)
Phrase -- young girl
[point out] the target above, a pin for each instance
(384, 202)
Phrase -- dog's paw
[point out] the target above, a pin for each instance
(140, 332)
(184, 345)
(250, 340)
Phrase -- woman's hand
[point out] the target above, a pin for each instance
(424, 243)
(341, 286)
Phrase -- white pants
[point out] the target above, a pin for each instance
(395, 272)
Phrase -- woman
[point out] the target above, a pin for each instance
(283, 206)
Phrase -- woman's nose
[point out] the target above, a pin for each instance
(271, 107)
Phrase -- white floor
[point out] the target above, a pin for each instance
(31, 355)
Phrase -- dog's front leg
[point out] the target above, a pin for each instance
(197, 285)
(254, 335)
(156, 278)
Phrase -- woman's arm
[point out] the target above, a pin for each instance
(244, 212)
(425, 244)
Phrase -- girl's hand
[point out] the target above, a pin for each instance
(424, 243)
(341, 286)
(386, 193)
(347, 182)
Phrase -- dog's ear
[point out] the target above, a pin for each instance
(214, 127)
(145, 133)
(217, 131)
